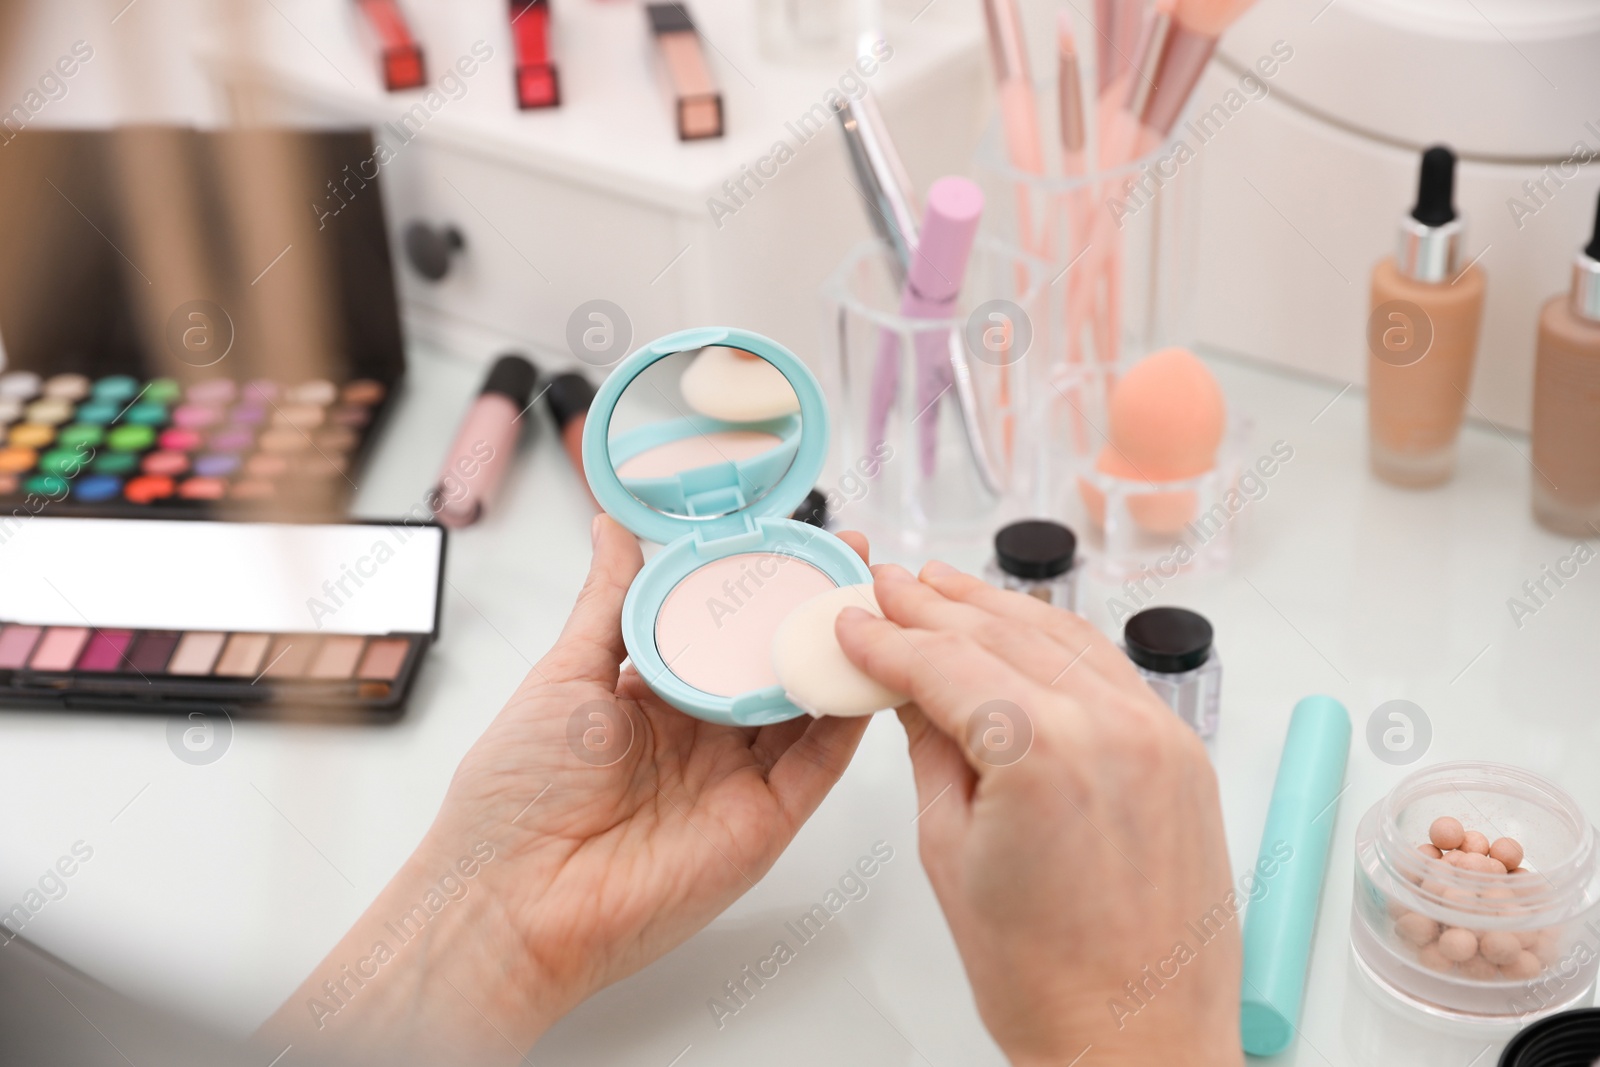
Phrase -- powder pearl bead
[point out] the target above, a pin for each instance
(1527, 938)
(1430, 851)
(1458, 859)
(1458, 945)
(1430, 957)
(1396, 909)
(1524, 967)
(1507, 851)
(1480, 969)
(1500, 947)
(1416, 929)
(1498, 898)
(1482, 864)
(1472, 841)
(1547, 949)
(1434, 889)
(1446, 833)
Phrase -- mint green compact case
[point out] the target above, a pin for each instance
(714, 511)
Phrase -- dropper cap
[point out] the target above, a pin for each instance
(1586, 276)
(1430, 237)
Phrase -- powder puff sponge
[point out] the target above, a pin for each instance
(1168, 416)
(737, 387)
(814, 670)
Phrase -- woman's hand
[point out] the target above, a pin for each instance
(614, 827)
(1070, 826)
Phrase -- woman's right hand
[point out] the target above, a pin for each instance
(1069, 824)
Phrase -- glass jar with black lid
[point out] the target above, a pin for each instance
(1037, 557)
(1174, 651)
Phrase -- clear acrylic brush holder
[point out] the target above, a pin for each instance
(933, 412)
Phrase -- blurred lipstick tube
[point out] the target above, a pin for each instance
(538, 84)
(486, 443)
(399, 53)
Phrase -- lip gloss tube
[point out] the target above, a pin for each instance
(695, 99)
(484, 446)
(538, 84)
(401, 54)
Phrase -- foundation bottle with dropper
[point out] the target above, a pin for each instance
(1422, 336)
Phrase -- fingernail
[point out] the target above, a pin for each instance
(891, 572)
(594, 531)
(938, 568)
(850, 616)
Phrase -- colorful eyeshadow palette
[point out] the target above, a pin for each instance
(118, 445)
(298, 620)
(199, 355)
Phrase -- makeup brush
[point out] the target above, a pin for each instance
(1188, 43)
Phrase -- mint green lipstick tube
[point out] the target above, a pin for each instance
(1279, 925)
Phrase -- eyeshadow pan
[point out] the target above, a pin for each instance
(232, 439)
(151, 650)
(21, 384)
(196, 652)
(261, 389)
(148, 488)
(50, 411)
(51, 485)
(105, 650)
(116, 387)
(15, 459)
(99, 411)
(385, 656)
(283, 440)
(243, 655)
(130, 438)
(216, 465)
(8, 482)
(262, 465)
(97, 487)
(252, 489)
(165, 463)
(146, 413)
(86, 434)
(59, 648)
(163, 390)
(176, 440)
(31, 435)
(316, 391)
(67, 387)
(10, 409)
(217, 390)
(301, 416)
(337, 657)
(291, 656)
(362, 391)
(203, 489)
(194, 416)
(15, 643)
(115, 462)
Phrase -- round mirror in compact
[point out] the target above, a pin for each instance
(705, 441)
(704, 433)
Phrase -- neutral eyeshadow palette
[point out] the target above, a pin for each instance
(293, 620)
(182, 340)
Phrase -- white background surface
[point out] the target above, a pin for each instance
(217, 888)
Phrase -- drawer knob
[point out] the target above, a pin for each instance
(430, 248)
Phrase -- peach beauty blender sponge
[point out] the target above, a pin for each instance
(1159, 513)
(1168, 416)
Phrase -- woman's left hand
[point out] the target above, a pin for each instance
(601, 828)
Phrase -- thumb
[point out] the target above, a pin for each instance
(590, 647)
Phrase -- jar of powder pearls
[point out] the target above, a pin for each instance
(1475, 894)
